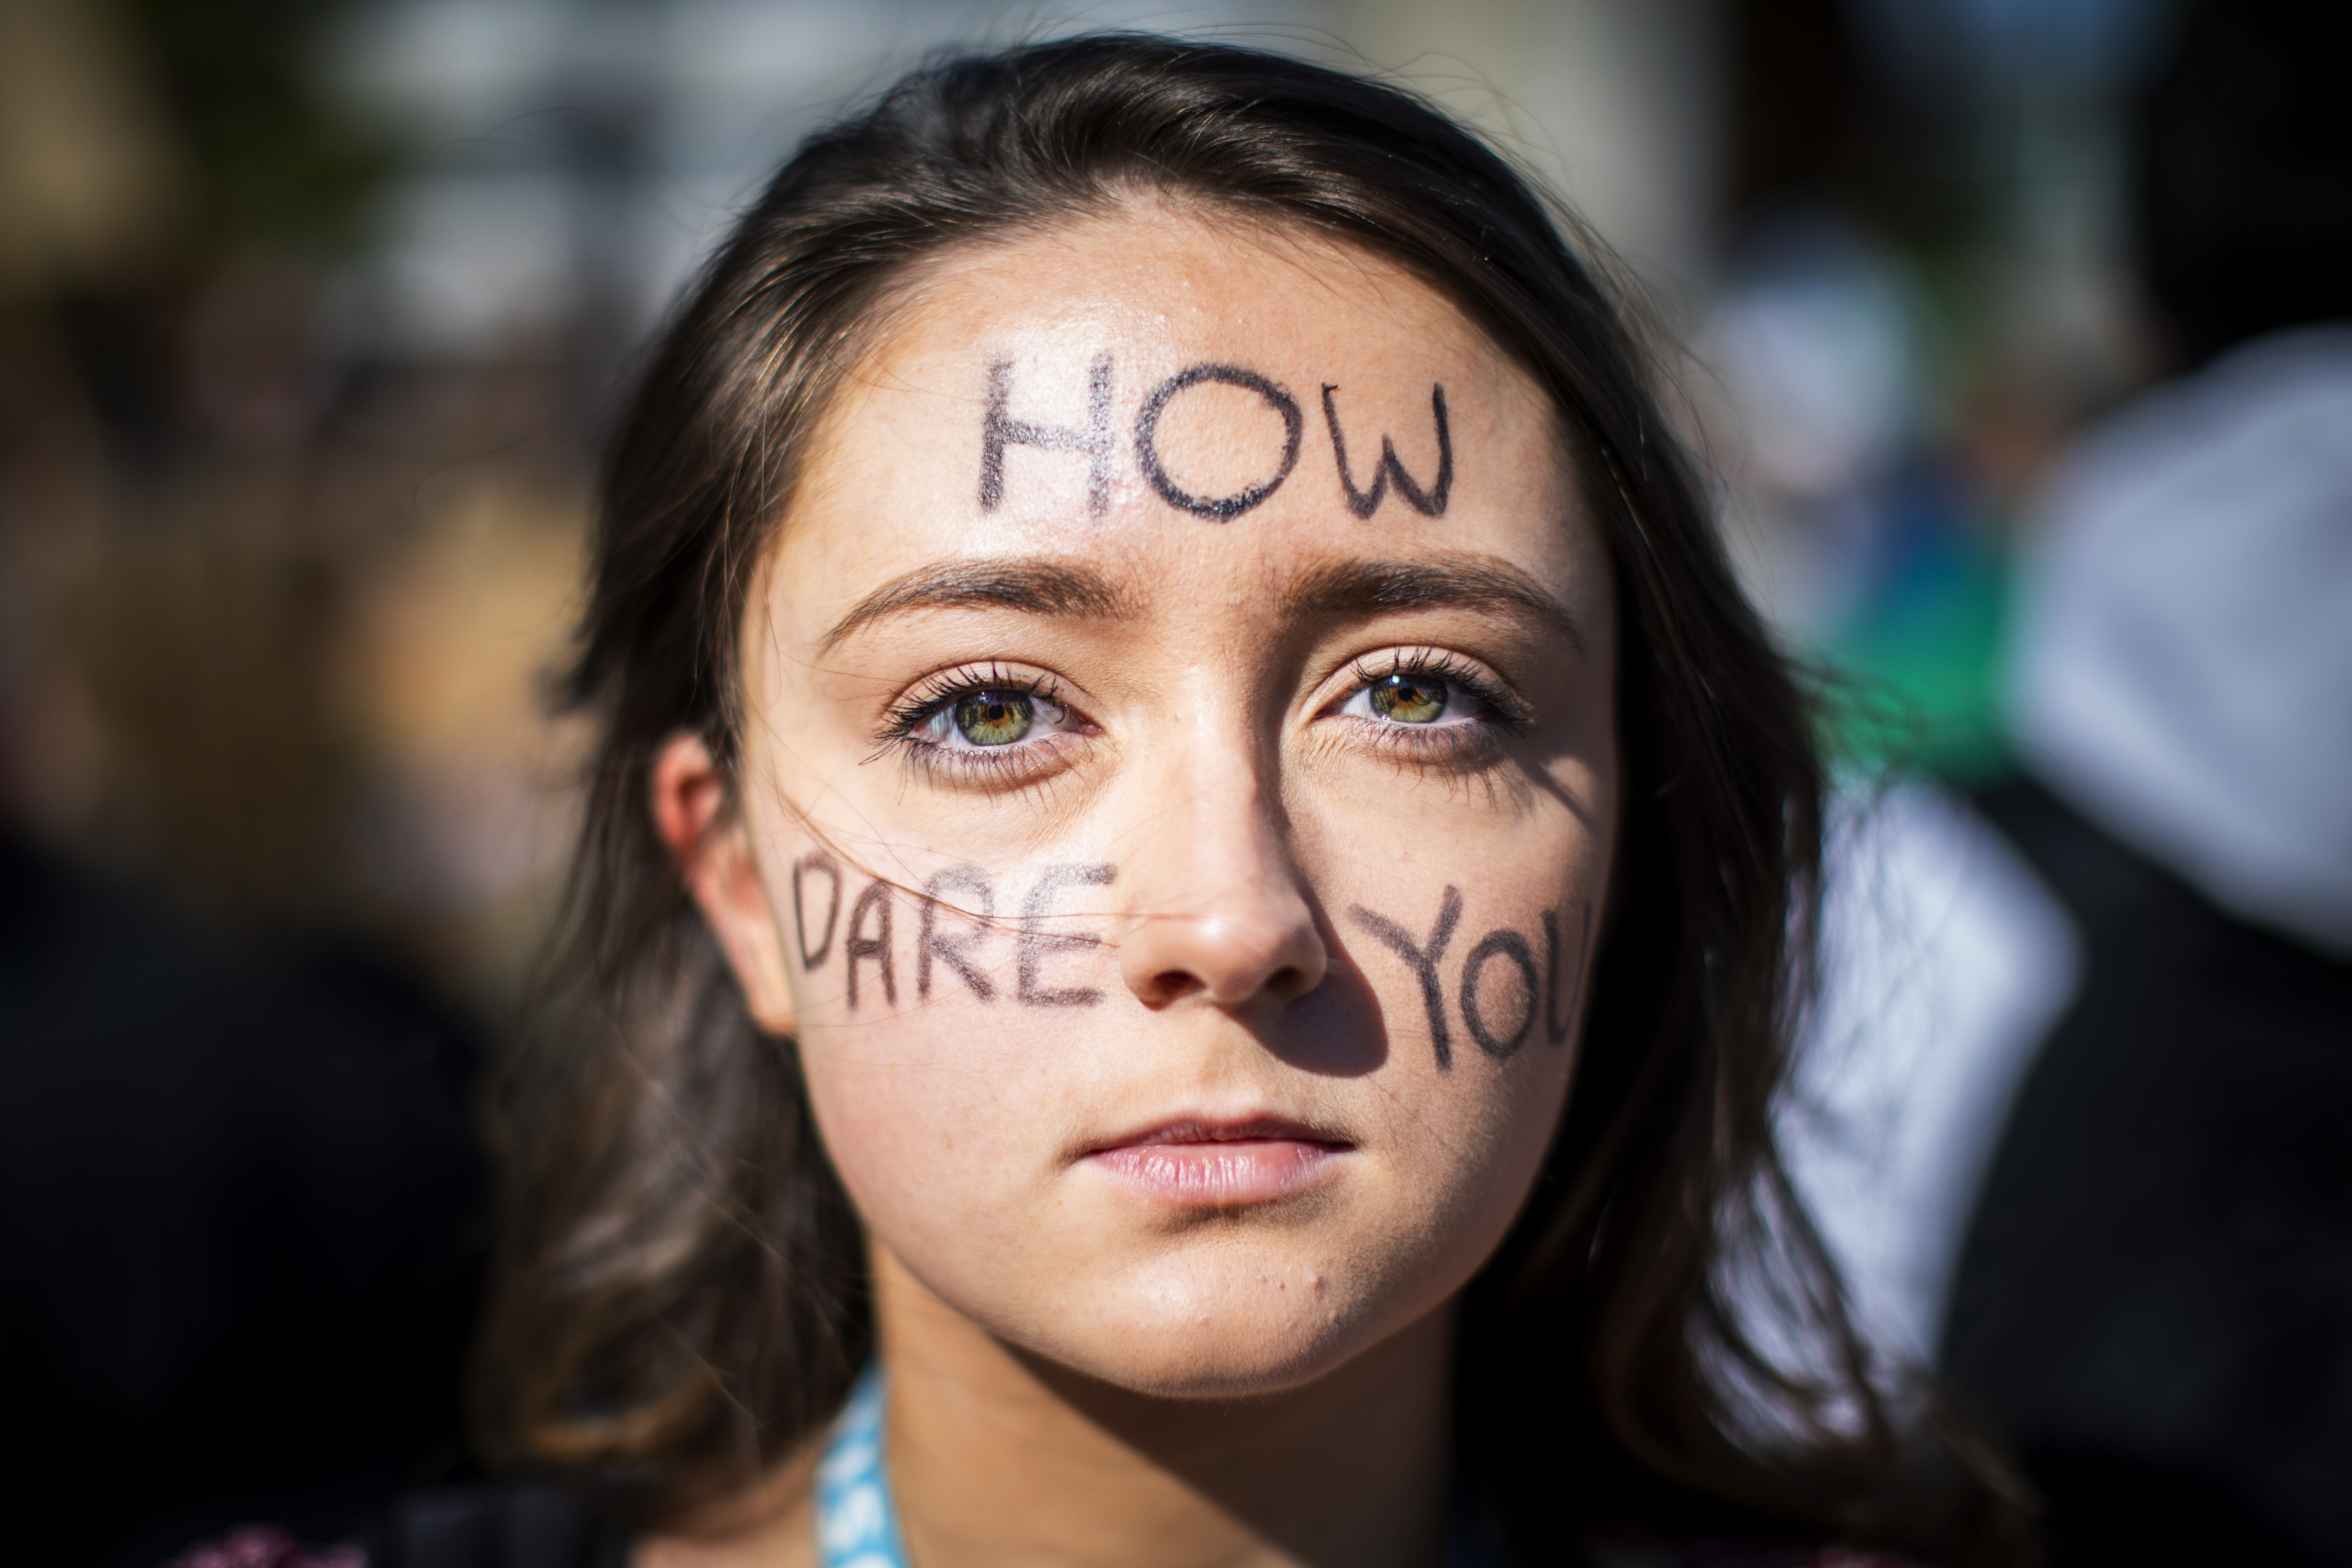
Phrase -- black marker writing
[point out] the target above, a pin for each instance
(1424, 959)
(1555, 1027)
(1000, 430)
(1503, 944)
(1364, 504)
(949, 948)
(1146, 452)
(1036, 941)
(817, 860)
(857, 945)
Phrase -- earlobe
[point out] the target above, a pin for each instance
(712, 846)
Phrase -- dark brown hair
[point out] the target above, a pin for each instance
(682, 1290)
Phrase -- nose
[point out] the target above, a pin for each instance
(1218, 904)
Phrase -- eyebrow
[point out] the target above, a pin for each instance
(1362, 589)
(1036, 587)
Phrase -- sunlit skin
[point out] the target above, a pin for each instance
(1163, 1273)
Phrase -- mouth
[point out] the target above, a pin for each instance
(1206, 1162)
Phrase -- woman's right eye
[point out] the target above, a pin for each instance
(989, 720)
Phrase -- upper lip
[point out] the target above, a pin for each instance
(1223, 1130)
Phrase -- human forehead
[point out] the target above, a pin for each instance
(1165, 382)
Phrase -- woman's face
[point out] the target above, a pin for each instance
(1178, 845)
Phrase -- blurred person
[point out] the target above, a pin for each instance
(1849, 525)
(2155, 1296)
(1190, 899)
(1816, 337)
(240, 1192)
(2115, 1186)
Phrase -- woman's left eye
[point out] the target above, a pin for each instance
(1415, 698)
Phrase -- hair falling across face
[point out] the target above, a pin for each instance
(1173, 829)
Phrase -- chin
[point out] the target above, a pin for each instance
(1210, 1366)
(1215, 1339)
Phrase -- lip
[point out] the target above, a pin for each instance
(1219, 1162)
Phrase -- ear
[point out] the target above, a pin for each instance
(713, 849)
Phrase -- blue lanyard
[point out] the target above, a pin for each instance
(856, 1519)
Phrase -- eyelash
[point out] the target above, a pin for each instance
(935, 693)
(924, 702)
(1505, 715)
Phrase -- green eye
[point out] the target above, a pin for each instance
(993, 718)
(1409, 699)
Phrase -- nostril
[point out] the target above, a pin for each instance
(1224, 955)
(1171, 985)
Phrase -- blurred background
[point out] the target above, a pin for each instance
(310, 312)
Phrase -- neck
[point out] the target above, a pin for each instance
(997, 1458)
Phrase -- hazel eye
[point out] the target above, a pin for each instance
(994, 718)
(1415, 698)
(1409, 699)
(989, 718)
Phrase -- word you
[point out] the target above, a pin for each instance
(1543, 997)
(1095, 440)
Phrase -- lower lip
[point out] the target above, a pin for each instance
(1219, 1175)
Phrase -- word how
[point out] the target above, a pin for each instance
(1095, 442)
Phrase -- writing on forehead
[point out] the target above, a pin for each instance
(998, 430)
(1146, 439)
(1095, 441)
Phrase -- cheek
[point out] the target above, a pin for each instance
(864, 949)
(1477, 931)
(943, 1015)
(941, 1120)
(919, 1118)
(1482, 991)
(1476, 939)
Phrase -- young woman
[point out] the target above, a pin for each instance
(1193, 891)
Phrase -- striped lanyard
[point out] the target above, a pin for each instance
(857, 1522)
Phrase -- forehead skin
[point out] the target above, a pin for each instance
(1158, 290)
